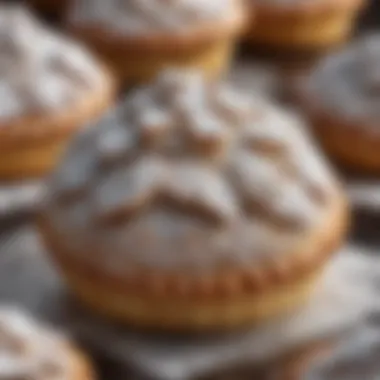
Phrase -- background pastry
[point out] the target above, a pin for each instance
(302, 24)
(139, 38)
(341, 98)
(193, 206)
(32, 351)
(50, 87)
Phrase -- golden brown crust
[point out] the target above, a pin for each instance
(315, 25)
(37, 129)
(223, 300)
(308, 258)
(135, 59)
(33, 144)
(307, 8)
(338, 137)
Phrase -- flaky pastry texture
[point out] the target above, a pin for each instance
(135, 17)
(30, 351)
(188, 175)
(41, 71)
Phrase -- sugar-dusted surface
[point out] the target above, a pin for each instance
(40, 69)
(185, 167)
(347, 84)
(29, 350)
(133, 17)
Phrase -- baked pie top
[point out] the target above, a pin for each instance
(141, 17)
(40, 70)
(188, 174)
(347, 83)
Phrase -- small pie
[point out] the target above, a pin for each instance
(30, 350)
(302, 25)
(138, 38)
(50, 87)
(193, 206)
(341, 97)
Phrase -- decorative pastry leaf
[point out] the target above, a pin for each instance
(127, 191)
(202, 191)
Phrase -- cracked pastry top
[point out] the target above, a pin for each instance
(185, 174)
(136, 18)
(29, 351)
(41, 71)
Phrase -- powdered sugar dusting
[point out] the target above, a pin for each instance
(29, 351)
(347, 83)
(40, 70)
(144, 16)
(205, 170)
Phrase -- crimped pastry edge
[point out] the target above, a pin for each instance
(338, 134)
(260, 278)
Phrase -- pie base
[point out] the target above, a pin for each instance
(138, 59)
(31, 146)
(225, 299)
(189, 315)
(310, 29)
(141, 67)
(353, 147)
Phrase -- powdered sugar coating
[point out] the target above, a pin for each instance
(29, 351)
(135, 17)
(215, 178)
(40, 70)
(347, 83)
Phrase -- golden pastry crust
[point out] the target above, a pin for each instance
(345, 120)
(51, 87)
(195, 208)
(138, 58)
(32, 145)
(228, 298)
(348, 144)
(304, 25)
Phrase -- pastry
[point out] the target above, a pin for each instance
(341, 99)
(140, 38)
(50, 87)
(192, 206)
(302, 25)
(31, 351)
